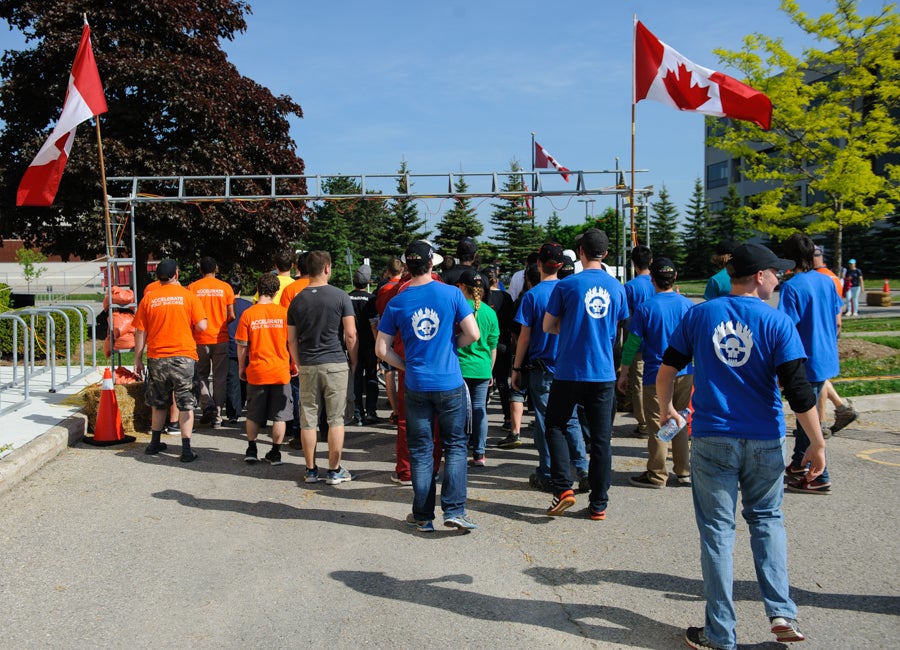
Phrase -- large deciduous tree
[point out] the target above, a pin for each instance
(835, 123)
(177, 107)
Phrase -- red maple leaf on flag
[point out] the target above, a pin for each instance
(681, 89)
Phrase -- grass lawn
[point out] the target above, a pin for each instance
(886, 368)
(871, 325)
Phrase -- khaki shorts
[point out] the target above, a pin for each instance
(323, 384)
(170, 375)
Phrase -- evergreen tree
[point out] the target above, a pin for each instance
(515, 236)
(404, 225)
(664, 238)
(329, 228)
(731, 223)
(698, 244)
(554, 228)
(459, 221)
(176, 106)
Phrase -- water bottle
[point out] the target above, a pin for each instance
(672, 426)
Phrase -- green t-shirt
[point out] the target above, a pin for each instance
(475, 359)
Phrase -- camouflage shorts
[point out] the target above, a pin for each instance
(170, 375)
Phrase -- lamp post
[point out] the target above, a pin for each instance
(586, 202)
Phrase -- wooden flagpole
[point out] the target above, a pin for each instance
(633, 92)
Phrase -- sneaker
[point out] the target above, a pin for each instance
(596, 515)
(843, 415)
(188, 456)
(295, 443)
(510, 442)
(208, 417)
(539, 482)
(393, 418)
(794, 470)
(274, 457)
(154, 448)
(827, 432)
(371, 419)
(506, 426)
(339, 475)
(786, 630)
(423, 526)
(311, 475)
(477, 460)
(231, 421)
(172, 428)
(400, 481)
(644, 481)
(461, 522)
(684, 480)
(815, 486)
(584, 482)
(561, 503)
(640, 432)
(357, 420)
(695, 638)
(250, 456)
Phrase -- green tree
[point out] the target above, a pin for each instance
(731, 222)
(698, 243)
(177, 106)
(516, 236)
(459, 221)
(28, 259)
(405, 224)
(329, 227)
(554, 228)
(835, 119)
(664, 238)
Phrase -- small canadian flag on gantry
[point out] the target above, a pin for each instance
(84, 100)
(664, 75)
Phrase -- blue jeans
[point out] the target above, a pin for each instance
(539, 382)
(801, 440)
(449, 407)
(235, 390)
(478, 391)
(718, 465)
(599, 401)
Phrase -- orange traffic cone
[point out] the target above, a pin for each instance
(887, 286)
(108, 427)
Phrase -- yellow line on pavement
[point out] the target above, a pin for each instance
(867, 455)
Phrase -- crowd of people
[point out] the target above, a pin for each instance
(306, 356)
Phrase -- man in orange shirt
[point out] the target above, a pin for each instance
(264, 362)
(217, 298)
(164, 325)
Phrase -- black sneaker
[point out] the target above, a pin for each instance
(250, 455)
(541, 483)
(510, 442)
(274, 457)
(188, 457)
(695, 638)
(155, 447)
(644, 481)
(584, 482)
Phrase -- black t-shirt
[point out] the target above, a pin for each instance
(317, 313)
(364, 308)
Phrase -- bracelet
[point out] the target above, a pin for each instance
(517, 370)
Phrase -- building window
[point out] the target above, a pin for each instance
(717, 175)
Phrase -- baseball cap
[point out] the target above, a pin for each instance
(471, 278)
(852, 260)
(747, 259)
(165, 270)
(725, 247)
(567, 268)
(662, 268)
(819, 252)
(419, 251)
(362, 275)
(466, 247)
(551, 253)
(593, 242)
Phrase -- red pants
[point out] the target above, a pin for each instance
(402, 450)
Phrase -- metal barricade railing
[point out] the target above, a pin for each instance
(50, 345)
(26, 369)
(77, 307)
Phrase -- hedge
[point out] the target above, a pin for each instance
(40, 322)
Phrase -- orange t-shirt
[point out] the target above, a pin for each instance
(824, 270)
(264, 329)
(168, 315)
(215, 296)
(288, 293)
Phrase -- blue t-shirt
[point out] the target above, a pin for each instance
(736, 343)
(810, 301)
(654, 321)
(426, 317)
(541, 346)
(240, 306)
(718, 285)
(638, 291)
(590, 305)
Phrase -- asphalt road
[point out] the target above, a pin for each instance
(109, 548)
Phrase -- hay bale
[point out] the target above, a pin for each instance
(132, 407)
(878, 299)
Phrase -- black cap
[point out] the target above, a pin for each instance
(747, 259)
(166, 270)
(551, 253)
(419, 252)
(593, 242)
(662, 268)
(567, 268)
(466, 247)
(725, 247)
(471, 278)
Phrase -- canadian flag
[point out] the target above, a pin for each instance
(84, 100)
(664, 75)
(543, 160)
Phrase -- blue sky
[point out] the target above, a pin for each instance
(460, 85)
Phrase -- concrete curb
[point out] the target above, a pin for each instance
(22, 462)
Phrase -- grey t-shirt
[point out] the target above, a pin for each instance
(317, 312)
